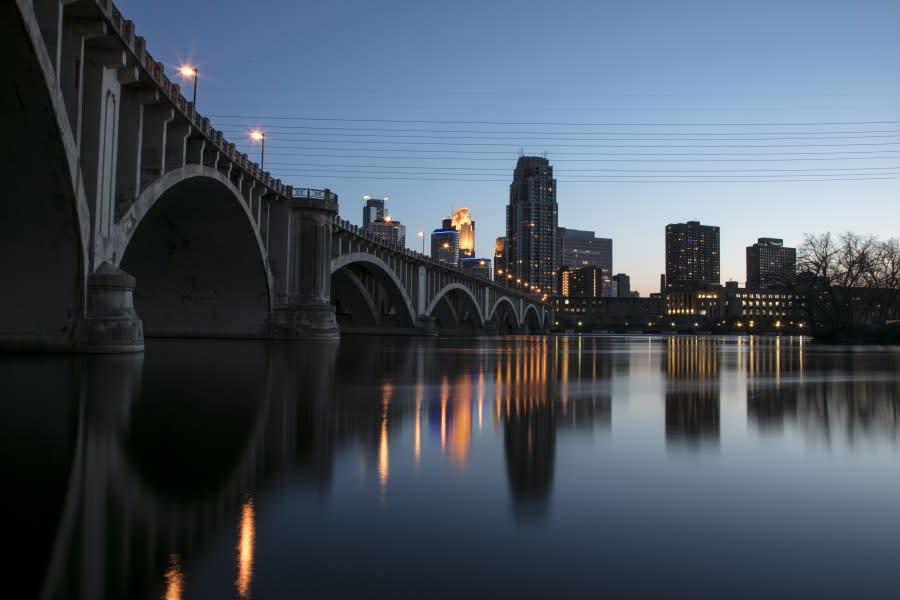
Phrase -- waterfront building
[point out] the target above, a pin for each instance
(771, 265)
(531, 224)
(692, 255)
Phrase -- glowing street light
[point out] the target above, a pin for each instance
(421, 234)
(190, 72)
(258, 136)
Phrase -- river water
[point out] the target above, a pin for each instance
(576, 466)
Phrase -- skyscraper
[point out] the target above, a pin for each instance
(770, 264)
(531, 224)
(578, 249)
(445, 246)
(463, 223)
(692, 255)
(374, 209)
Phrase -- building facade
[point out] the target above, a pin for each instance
(480, 267)
(463, 223)
(692, 255)
(445, 246)
(578, 249)
(389, 229)
(770, 265)
(531, 224)
(373, 210)
(621, 284)
(500, 271)
(586, 282)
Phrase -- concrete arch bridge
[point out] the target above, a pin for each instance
(128, 214)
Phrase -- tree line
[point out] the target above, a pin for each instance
(850, 285)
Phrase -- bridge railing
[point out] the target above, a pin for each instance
(136, 45)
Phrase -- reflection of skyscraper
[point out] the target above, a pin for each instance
(529, 440)
(692, 390)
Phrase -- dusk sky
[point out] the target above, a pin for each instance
(768, 119)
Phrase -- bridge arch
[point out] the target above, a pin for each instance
(532, 319)
(505, 314)
(354, 297)
(198, 259)
(46, 222)
(442, 307)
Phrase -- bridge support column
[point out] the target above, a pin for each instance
(301, 249)
(111, 325)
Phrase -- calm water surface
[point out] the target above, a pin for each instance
(523, 466)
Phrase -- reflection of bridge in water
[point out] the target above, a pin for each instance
(128, 214)
(156, 454)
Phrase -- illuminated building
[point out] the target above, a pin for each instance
(373, 210)
(445, 246)
(463, 223)
(531, 224)
(388, 229)
(770, 265)
(500, 259)
(692, 255)
(583, 282)
(480, 267)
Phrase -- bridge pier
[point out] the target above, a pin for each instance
(300, 255)
(111, 324)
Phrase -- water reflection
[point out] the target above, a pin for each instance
(146, 463)
(692, 391)
(849, 397)
(245, 548)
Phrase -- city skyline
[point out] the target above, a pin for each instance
(635, 73)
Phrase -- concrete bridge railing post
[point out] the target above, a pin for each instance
(300, 258)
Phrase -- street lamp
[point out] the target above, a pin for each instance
(258, 136)
(422, 235)
(188, 72)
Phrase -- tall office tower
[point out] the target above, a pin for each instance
(463, 223)
(692, 255)
(770, 265)
(577, 249)
(388, 229)
(374, 209)
(531, 224)
(500, 273)
(445, 246)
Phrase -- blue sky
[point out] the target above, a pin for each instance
(650, 112)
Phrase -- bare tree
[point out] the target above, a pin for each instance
(848, 283)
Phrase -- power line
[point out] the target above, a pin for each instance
(563, 123)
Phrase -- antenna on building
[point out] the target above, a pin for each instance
(521, 151)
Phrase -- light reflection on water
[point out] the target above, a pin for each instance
(534, 465)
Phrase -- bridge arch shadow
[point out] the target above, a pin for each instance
(199, 262)
(45, 217)
(368, 294)
(456, 310)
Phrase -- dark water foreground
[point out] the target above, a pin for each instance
(506, 467)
